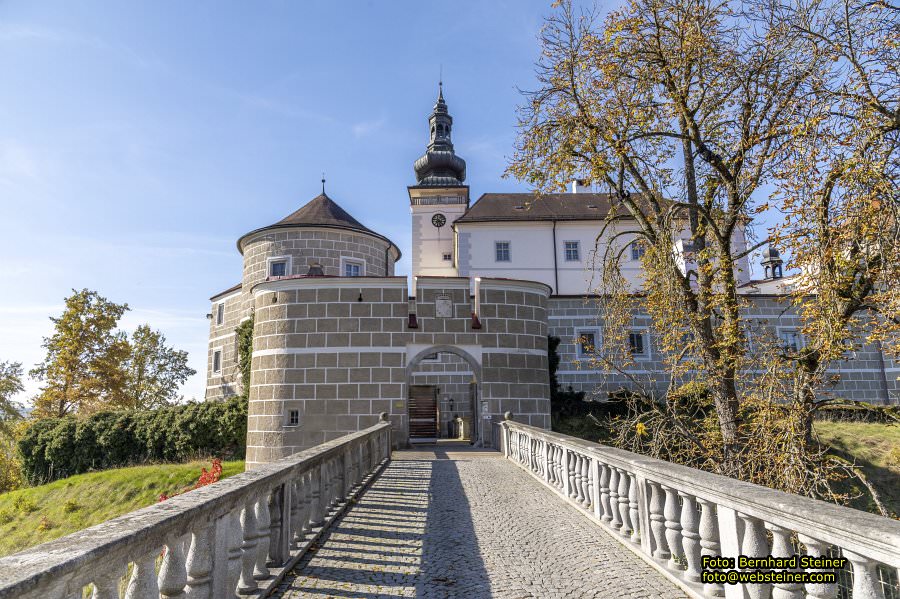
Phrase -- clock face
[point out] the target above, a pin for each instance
(438, 220)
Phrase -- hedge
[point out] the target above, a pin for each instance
(55, 448)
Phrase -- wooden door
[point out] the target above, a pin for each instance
(422, 412)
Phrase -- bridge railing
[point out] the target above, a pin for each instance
(672, 515)
(237, 537)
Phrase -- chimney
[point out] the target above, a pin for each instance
(581, 186)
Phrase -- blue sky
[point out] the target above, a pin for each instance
(139, 140)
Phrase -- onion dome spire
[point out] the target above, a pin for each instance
(440, 166)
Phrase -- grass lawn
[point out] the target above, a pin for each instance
(38, 514)
(876, 449)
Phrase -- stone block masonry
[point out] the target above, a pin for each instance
(331, 354)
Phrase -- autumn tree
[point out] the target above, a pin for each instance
(153, 371)
(82, 370)
(838, 189)
(680, 110)
(10, 385)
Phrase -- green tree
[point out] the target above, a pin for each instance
(244, 333)
(153, 371)
(82, 370)
(10, 385)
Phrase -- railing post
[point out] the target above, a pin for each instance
(865, 577)
(615, 521)
(817, 548)
(285, 534)
(595, 488)
(755, 544)
(199, 564)
(106, 586)
(781, 547)
(625, 529)
(143, 583)
(690, 536)
(247, 582)
(709, 542)
(658, 521)
(604, 492)
(235, 538)
(172, 573)
(263, 536)
(673, 527)
(567, 486)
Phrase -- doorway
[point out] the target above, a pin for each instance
(423, 413)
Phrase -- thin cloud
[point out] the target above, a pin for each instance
(364, 128)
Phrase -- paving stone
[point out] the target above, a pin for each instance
(445, 524)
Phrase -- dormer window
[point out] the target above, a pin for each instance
(352, 267)
(278, 266)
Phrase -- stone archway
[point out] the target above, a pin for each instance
(454, 377)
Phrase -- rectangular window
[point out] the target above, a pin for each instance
(573, 251)
(791, 340)
(278, 268)
(448, 256)
(501, 251)
(217, 361)
(431, 358)
(220, 314)
(293, 417)
(587, 343)
(637, 250)
(637, 344)
(352, 269)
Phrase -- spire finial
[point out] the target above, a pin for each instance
(441, 84)
(323, 182)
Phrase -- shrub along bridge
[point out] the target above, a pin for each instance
(548, 516)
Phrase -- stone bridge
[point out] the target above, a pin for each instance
(549, 516)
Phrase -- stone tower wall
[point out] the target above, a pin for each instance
(308, 244)
(340, 361)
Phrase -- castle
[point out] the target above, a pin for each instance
(339, 339)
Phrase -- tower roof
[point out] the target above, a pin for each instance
(440, 166)
(321, 211)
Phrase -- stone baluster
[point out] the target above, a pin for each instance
(615, 520)
(755, 544)
(106, 586)
(199, 565)
(533, 443)
(626, 527)
(173, 573)
(306, 506)
(274, 557)
(234, 553)
(658, 521)
(263, 523)
(866, 584)
(817, 548)
(316, 513)
(247, 584)
(575, 477)
(142, 584)
(561, 476)
(709, 542)
(673, 527)
(606, 516)
(690, 536)
(781, 547)
(633, 513)
(297, 509)
(551, 456)
(586, 483)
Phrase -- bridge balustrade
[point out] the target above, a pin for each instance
(673, 515)
(237, 537)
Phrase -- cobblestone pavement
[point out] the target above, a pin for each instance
(468, 525)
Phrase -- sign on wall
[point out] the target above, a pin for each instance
(443, 306)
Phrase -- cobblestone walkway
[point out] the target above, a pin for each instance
(468, 525)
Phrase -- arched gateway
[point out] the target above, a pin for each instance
(331, 354)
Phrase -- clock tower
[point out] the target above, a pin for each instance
(438, 198)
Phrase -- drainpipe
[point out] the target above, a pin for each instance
(555, 269)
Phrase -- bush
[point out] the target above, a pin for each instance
(56, 448)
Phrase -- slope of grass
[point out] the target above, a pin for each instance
(876, 449)
(38, 514)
